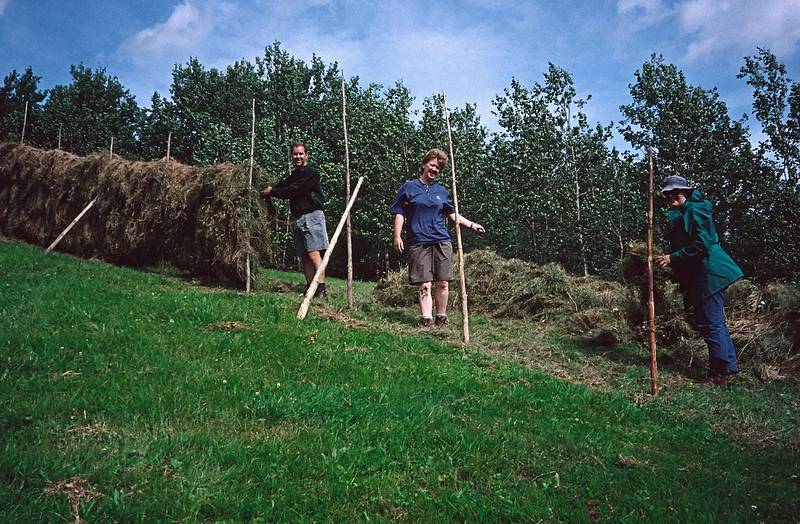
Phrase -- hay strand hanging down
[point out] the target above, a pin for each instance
(202, 220)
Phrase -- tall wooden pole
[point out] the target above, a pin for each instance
(250, 186)
(59, 136)
(651, 305)
(464, 306)
(347, 199)
(24, 124)
(169, 144)
(111, 150)
(312, 288)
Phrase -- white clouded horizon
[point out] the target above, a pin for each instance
(715, 27)
(469, 49)
(185, 29)
(740, 25)
(644, 13)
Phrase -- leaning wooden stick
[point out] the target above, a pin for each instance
(312, 288)
(250, 186)
(464, 306)
(347, 198)
(651, 306)
(64, 233)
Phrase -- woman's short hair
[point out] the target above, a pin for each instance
(436, 153)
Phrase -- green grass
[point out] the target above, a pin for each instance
(131, 382)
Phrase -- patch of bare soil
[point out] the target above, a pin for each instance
(77, 490)
(229, 325)
(342, 317)
(89, 431)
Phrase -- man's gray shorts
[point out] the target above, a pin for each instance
(430, 263)
(310, 233)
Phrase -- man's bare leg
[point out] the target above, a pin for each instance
(311, 261)
(442, 294)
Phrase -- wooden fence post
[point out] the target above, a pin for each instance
(464, 306)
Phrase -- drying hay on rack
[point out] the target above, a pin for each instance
(202, 220)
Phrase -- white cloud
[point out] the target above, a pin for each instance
(644, 13)
(3, 5)
(186, 28)
(740, 25)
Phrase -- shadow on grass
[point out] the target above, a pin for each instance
(679, 361)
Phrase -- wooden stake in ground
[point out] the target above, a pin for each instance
(24, 124)
(111, 150)
(59, 136)
(250, 185)
(464, 306)
(169, 144)
(651, 305)
(64, 233)
(347, 199)
(312, 288)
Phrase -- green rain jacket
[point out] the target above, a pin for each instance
(698, 261)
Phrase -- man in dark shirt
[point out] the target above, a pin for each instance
(302, 188)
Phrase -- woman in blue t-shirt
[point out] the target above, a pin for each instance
(423, 204)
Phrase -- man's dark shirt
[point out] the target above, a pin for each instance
(303, 190)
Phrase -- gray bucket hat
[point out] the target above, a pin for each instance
(674, 182)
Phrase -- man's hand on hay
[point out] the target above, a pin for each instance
(478, 228)
(663, 260)
(266, 192)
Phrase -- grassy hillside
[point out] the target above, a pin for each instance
(134, 396)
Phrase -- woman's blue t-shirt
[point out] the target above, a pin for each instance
(424, 208)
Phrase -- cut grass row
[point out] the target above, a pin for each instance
(178, 402)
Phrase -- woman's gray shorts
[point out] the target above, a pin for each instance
(430, 263)
(310, 233)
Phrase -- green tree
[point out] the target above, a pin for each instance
(18, 89)
(770, 220)
(559, 171)
(776, 105)
(691, 134)
(89, 111)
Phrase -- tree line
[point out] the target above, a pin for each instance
(547, 185)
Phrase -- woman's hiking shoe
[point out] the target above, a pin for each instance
(440, 321)
(425, 321)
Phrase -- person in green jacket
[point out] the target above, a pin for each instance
(703, 269)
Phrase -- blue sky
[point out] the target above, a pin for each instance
(470, 49)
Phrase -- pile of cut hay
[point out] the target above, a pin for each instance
(764, 319)
(202, 220)
(512, 288)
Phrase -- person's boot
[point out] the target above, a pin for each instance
(425, 322)
(440, 321)
(321, 293)
(715, 377)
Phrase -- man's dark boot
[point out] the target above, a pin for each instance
(322, 293)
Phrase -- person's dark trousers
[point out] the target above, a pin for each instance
(709, 317)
